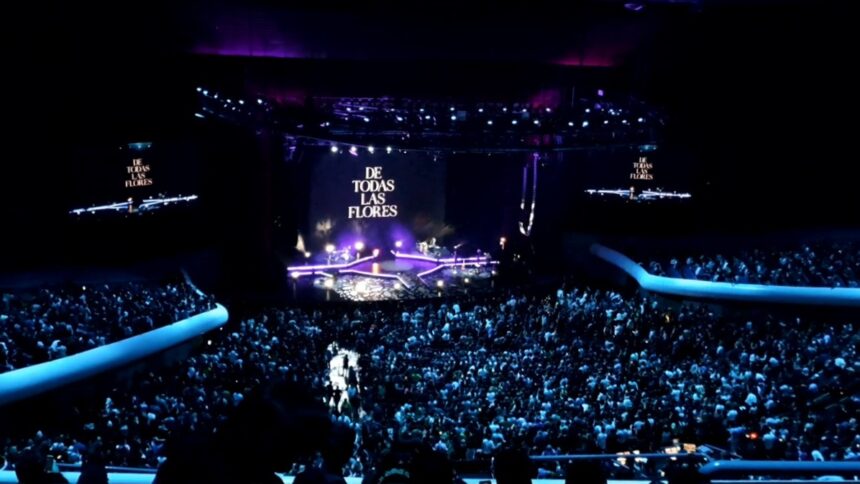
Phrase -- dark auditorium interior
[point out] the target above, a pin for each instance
(438, 242)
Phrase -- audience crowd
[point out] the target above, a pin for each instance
(828, 265)
(45, 324)
(579, 370)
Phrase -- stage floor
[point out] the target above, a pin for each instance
(396, 277)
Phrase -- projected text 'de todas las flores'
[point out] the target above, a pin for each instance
(373, 193)
(138, 174)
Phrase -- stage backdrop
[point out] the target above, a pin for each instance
(377, 197)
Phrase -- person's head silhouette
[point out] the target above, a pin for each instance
(513, 466)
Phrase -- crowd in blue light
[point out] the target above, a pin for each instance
(578, 370)
(48, 323)
(835, 264)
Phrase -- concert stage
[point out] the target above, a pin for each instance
(394, 275)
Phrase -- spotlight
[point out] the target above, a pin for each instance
(640, 120)
(307, 255)
(524, 110)
(359, 246)
(366, 119)
(536, 122)
(548, 110)
(205, 92)
(295, 275)
(600, 93)
(375, 252)
(399, 119)
(452, 109)
(370, 149)
(585, 124)
(440, 283)
(466, 280)
(242, 102)
(514, 122)
(587, 110)
(606, 121)
(480, 110)
(397, 286)
(570, 123)
(490, 122)
(398, 244)
(353, 151)
(199, 89)
(334, 149)
(388, 149)
(504, 110)
(259, 101)
(349, 110)
(329, 248)
(453, 118)
(328, 283)
(427, 117)
(421, 110)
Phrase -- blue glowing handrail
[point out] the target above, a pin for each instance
(833, 296)
(32, 380)
(780, 467)
(652, 455)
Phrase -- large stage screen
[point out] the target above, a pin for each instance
(139, 169)
(378, 196)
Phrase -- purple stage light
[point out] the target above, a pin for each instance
(330, 266)
(379, 275)
(451, 264)
(425, 258)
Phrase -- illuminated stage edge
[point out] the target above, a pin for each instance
(349, 268)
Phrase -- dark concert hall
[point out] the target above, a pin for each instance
(594, 241)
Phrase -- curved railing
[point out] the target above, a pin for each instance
(33, 380)
(708, 471)
(8, 477)
(772, 467)
(821, 296)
